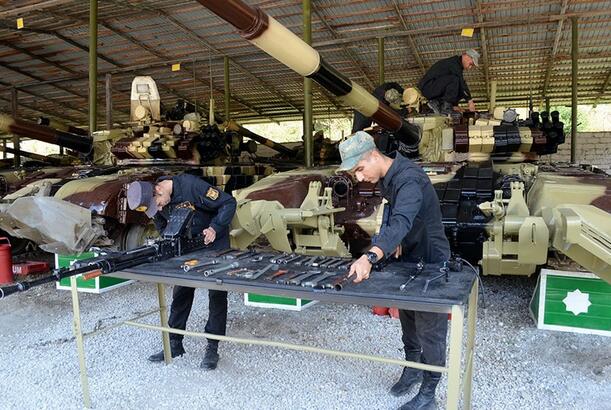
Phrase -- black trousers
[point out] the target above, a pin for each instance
(447, 88)
(181, 308)
(182, 301)
(425, 332)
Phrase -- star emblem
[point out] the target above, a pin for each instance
(577, 302)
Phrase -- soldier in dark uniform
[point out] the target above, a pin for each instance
(214, 210)
(390, 93)
(444, 84)
(414, 232)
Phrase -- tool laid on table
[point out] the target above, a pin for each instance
(195, 264)
(261, 272)
(298, 279)
(413, 276)
(274, 275)
(314, 282)
(211, 272)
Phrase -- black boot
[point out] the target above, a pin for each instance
(425, 399)
(409, 377)
(175, 347)
(211, 358)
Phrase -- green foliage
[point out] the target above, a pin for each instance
(565, 116)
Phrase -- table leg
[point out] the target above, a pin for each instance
(456, 330)
(78, 335)
(163, 316)
(471, 320)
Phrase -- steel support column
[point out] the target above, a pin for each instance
(574, 55)
(93, 65)
(108, 84)
(308, 128)
(492, 96)
(381, 59)
(227, 90)
(547, 106)
(16, 155)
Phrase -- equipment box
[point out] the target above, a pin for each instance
(95, 285)
(277, 302)
(572, 302)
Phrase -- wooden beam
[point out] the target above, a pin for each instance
(351, 55)
(603, 89)
(43, 97)
(36, 57)
(36, 109)
(554, 52)
(410, 40)
(484, 45)
(202, 41)
(40, 5)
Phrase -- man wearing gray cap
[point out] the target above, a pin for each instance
(213, 211)
(414, 232)
(444, 84)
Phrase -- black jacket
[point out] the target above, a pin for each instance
(415, 215)
(447, 66)
(213, 207)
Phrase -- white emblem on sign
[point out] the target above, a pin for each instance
(577, 302)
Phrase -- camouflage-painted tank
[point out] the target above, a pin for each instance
(85, 205)
(500, 208)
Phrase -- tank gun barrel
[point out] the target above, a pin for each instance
(37, 157)
(282, 44)
(60, 126)
(234, 126)
(80, 143)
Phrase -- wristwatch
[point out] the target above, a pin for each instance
(372, 257)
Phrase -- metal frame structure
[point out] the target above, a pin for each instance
(526, 50)
(455, 372)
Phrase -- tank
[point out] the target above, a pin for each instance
(84, 205)
(502, 208)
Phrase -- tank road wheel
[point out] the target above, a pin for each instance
(136, 235)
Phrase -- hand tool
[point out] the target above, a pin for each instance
(211, 272)
(289, 260)
(297, 280)
(262, 271)
(277, 273)
(315, 281)
(341, 281)
(284, 281)
(322, 259)
(276, 259)
(310, 261)
(193, 267)
(224, 252)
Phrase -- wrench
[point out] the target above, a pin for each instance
(297, 280)
(188, 268)
(261, 271)
(315, 281)
(222, 269)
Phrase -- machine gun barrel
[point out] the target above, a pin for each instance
(279, 42)
(114, 262)
(80, 143)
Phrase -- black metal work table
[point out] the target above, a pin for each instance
(382, 288)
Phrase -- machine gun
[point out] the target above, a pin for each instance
(176, 241)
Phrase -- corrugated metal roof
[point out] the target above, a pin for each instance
(48, 60)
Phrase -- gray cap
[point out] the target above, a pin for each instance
(140, 197)
(352, 149)
(474, 55)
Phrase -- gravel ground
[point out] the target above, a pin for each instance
(516, 366)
